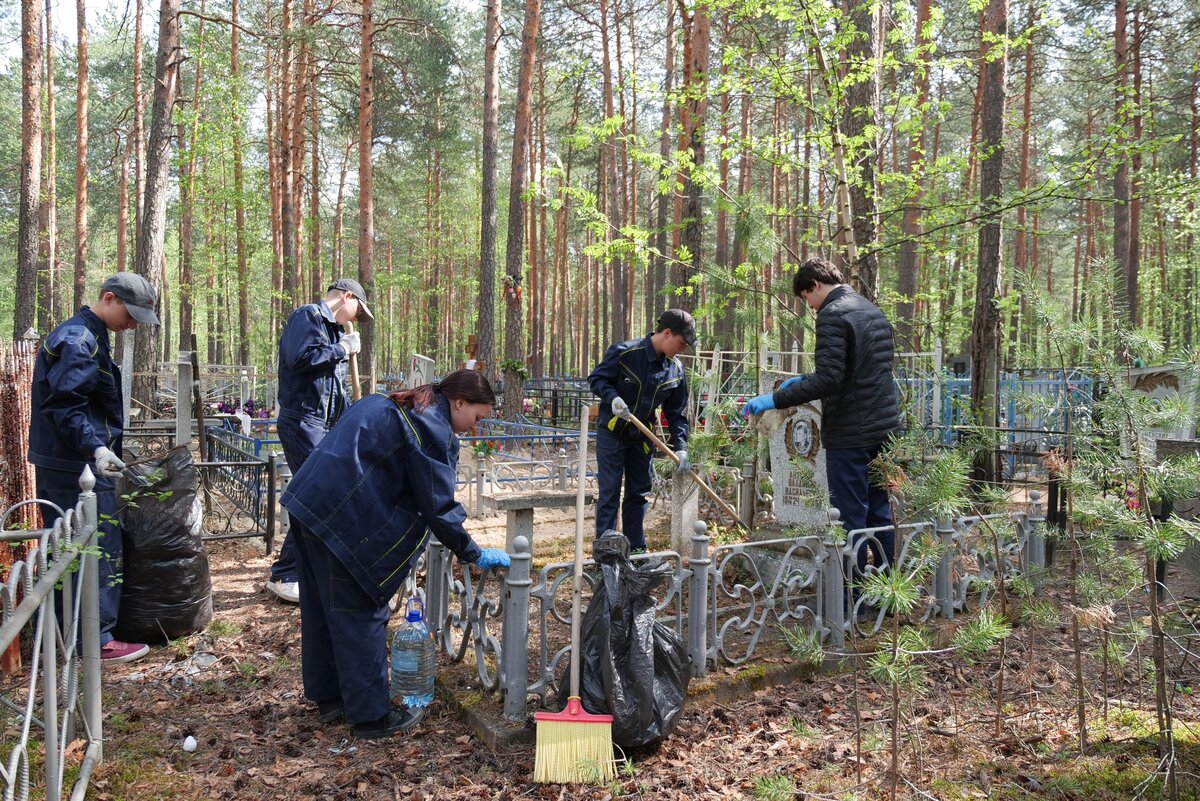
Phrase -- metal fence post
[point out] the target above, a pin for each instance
(285, 520)
(747, 493)
(436, 599)
(1035, 542)
(514, 640)
(89, 616)
(943, 589)
(480, 472)
(183, 401)
(700, 563)
(563, 470)
(833, 582)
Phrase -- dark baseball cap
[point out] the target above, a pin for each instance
(136, 293)
(680, 322)
(355, 289)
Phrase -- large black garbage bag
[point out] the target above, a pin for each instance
(632, 667)
(167, 590)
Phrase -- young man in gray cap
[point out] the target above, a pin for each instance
(313, 353)
(635, 378)
(78, 419)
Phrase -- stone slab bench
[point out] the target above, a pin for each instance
(519, 507)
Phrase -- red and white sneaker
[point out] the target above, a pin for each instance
(117, 651)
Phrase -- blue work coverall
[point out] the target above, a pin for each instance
(363, 507)
(312, 396)
(76, 407)
(646, 380)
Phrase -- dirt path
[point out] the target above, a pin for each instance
(236, 689)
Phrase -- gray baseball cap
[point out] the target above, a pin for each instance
(137, 294)
(355, 289)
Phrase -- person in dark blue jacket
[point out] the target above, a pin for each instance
(78, 418)
(635, 378)
(313, 353)
(362, 509)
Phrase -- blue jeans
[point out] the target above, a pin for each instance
(861, 503)
(298, 437)
(617, 459)
(61, 487)
(343, 634)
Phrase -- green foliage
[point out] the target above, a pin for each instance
(895, 663)
(774, 788)
(980, 635)
(804, 645)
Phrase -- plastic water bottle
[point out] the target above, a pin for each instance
(413, 658)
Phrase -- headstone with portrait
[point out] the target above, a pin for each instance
(798, 468)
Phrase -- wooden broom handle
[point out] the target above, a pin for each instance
(577, 582)
(355, 386)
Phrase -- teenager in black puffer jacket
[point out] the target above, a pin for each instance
(859, 409)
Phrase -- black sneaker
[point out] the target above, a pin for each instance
(330, 711)
(395, 721)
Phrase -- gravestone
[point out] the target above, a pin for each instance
(798, 468)
(1189, 508)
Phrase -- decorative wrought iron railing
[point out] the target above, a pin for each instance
(59, 701)
(726, 600)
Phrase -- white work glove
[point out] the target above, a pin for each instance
(352, 342)
(107, 463)
(684, 463)
(620, 408)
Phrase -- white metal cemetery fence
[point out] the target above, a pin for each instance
(726, 599)
(55, 705)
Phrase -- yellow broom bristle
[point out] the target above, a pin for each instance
(572, 752)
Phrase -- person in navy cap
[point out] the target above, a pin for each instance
(78, 418)
(313, 353)
(362, 509)
(635, 378)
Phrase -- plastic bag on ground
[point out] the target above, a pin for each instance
(167, 590)
(631, 666)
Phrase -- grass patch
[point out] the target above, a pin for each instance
(221, 628)
(774, 788)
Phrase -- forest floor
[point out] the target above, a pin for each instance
(827, 736)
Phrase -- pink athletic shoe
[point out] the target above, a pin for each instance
(117, 651)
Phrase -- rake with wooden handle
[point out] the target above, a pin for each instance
(355, 386)
(662, 446)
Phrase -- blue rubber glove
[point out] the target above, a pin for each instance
(493, 557)
(684, 462)
(791, 381)
(758, 405)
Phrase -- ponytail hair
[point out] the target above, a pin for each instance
(471, 386)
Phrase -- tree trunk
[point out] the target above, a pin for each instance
(124, 157)
(1126, 283)
(283, 130)
(695, 81)
(317, 282)
(139, 129)
(187, 194)
(1134, 264)
(910, 224)
(338, 210)
(239, 200)
(618, 318)
(985, 338)
(25, 298)
(149, 257)
(657, 274)
(860, 113)
(81, 153)
(514, 338)
(366, 198)
(1021, 268)
(48, 221)
(485, 323)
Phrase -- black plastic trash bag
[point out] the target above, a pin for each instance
(167, 591)
(631, 666)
